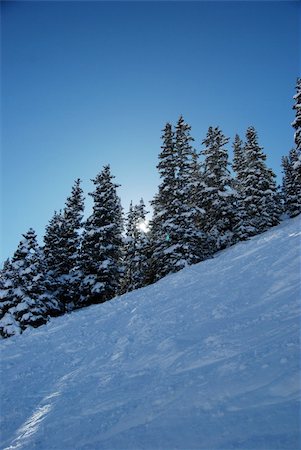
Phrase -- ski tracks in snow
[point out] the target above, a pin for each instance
(205, 358)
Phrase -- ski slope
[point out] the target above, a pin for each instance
(207, 358)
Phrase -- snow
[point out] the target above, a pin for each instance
(207, 358)
(297, 164)
(22, 306)
(98, 287)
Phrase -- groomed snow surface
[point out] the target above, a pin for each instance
(207, 358)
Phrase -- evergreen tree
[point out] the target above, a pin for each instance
(53, 245)
(62, 248)
(175, 238)
(143, 246)
(239, 159)
(101, 254)
(162, 225)
(291, 186)
(71, 240)
(297, 122)
(55, 258)
(242, 230)
(72, 224)
(29, 302)
(129, 251)
(191, 242)
(218, 194)
(296, 156)
(136, 248)
(258, 187)
(8, 324)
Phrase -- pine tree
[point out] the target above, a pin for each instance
(162, 225)
(53, 245)
(71, 240)
(291, 186)
(136, 248)
(242, 230)
(297, 122)
(62, 248)
(218, 195)
(258, 187)
(142, 246)
(176, 240)
(239, 159)
(29, 302)
(191, 244)
(9, 326)
(129, 251)
(55, 258)
(72, 224)
(101, 254)
(294, 161)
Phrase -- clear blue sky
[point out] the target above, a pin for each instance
(90, 83)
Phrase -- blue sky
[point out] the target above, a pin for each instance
(90, 83)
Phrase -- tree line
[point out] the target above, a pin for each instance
(201, 207)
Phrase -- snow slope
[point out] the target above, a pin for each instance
(207, 358)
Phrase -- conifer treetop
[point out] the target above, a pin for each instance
(297, 122)
(238, 155)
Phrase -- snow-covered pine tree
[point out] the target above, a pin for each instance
(175, 237)
(72, 224)
(241, 229)
(129, 250)
(297, 122)
(239, 160)
(62, 247)
(143, 245)
(157, 268)
(297, 126)
(136, 249)
(291, 185)
(162, 226)
(101, 253)
(191, 242)
(30, 303)
(218, 194)
(9, 326)
(71, 240)
(258, 187)
(55, 257)
(53, 245)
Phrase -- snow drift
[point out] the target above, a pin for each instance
(207, 358)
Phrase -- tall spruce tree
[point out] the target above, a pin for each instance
(218, 195)
(191, 244)
(295, 154)
(136, 248)
(9, 326)
(291, 184)
(175, 237)
(163, 225)
(71, 228)
(53, 245)
(101, 254)
(30, 303)
(242, 229)
(239, 159)
(72, 224)
(62, 248)
(258, 187)
(129, 248)
(297, 122)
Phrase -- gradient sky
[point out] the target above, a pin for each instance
(90, 83)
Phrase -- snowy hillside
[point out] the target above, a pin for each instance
(207, 358)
